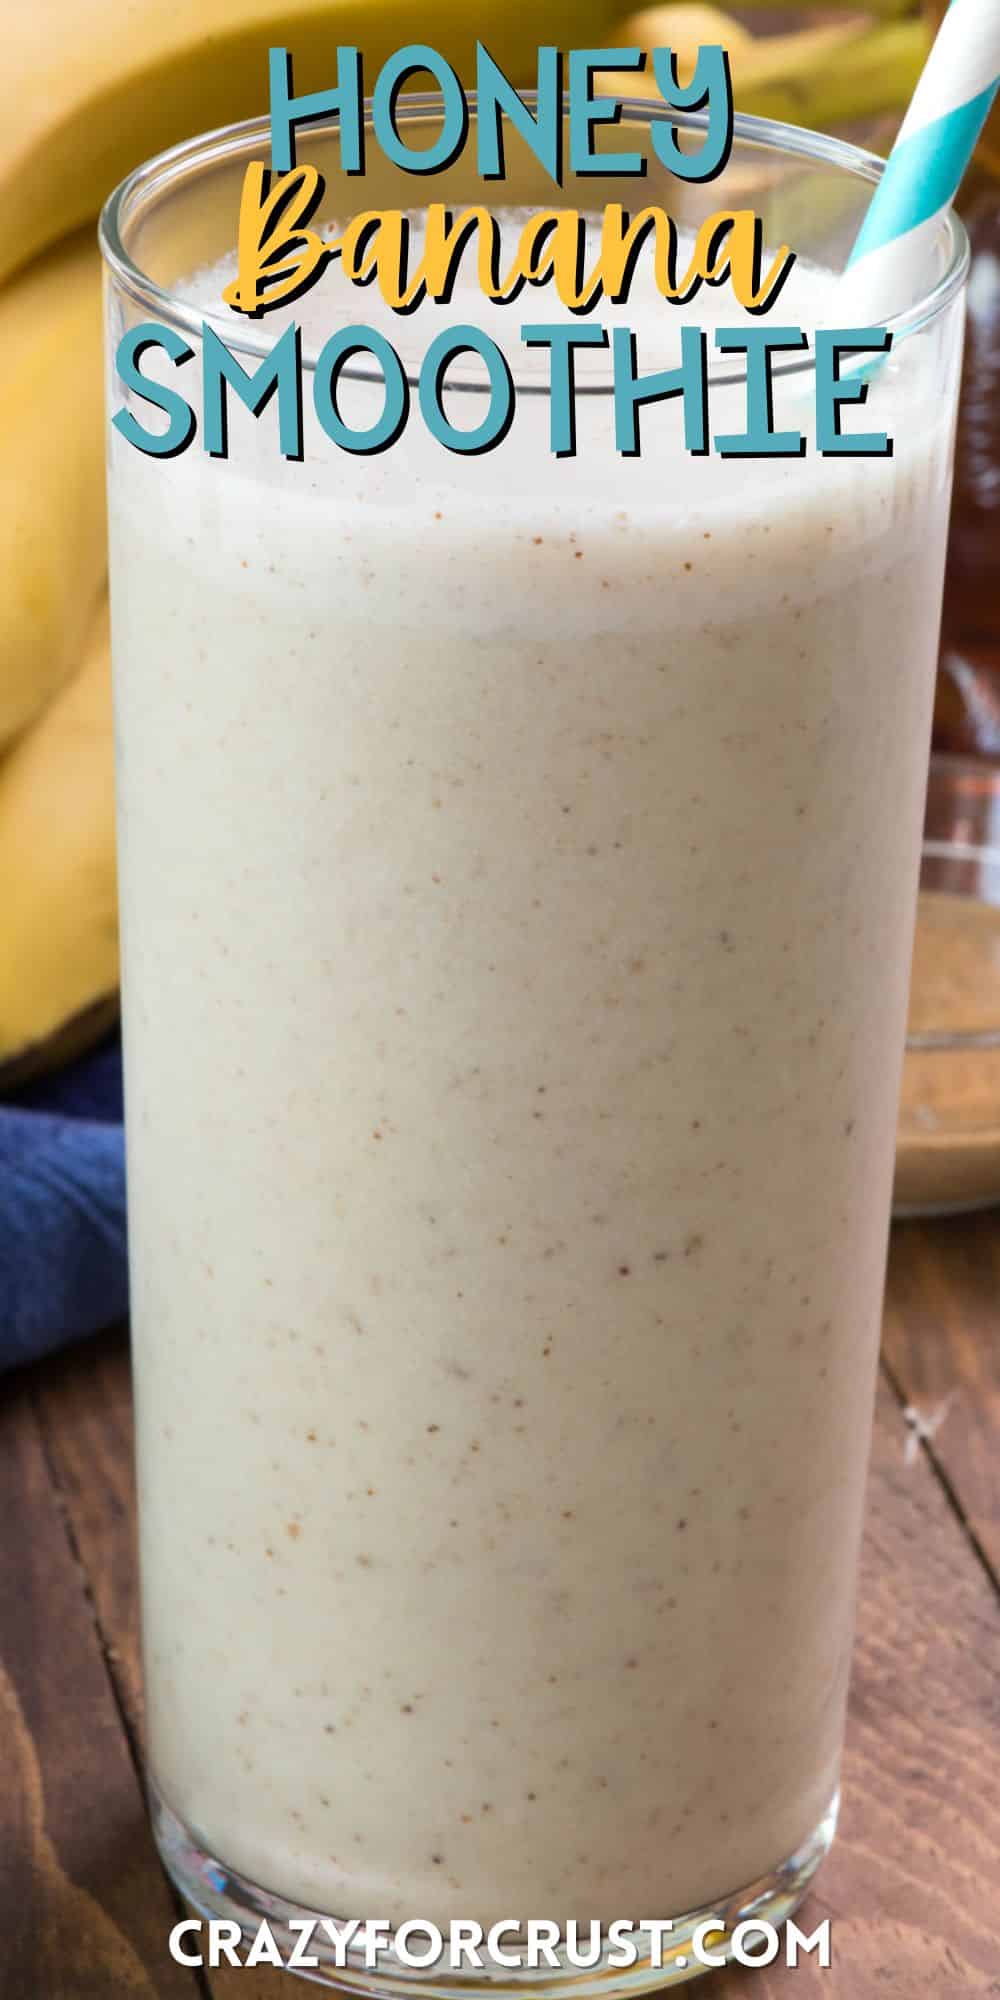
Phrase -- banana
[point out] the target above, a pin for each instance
(882, 10)
(52, 533)
(873, 73)
(91, 89)
(683, 27)
(818, 77)
(59, 967)
(804, 53)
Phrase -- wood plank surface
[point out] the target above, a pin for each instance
(84, 1908)
(84, 1405)
(911, 1884)
(941, 1343)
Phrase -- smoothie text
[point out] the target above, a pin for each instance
(573, 112)
(277, 384)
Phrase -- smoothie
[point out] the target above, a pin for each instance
(518, 870)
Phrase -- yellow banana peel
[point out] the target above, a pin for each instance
(880, 10)
(873, 73)
(93, 87)
(820, 77)
(52, 532)
(59, 966)
(683, 27)
(773, 58)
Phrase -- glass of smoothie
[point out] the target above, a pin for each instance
(519, 859)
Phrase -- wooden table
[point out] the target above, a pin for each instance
(913, 1884)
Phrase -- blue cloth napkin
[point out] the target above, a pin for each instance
(62, 1207)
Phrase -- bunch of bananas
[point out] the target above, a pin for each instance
(83, 104)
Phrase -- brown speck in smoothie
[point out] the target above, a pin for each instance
(431, 1428)
(689, 567)
(537, 539)
(631, 1663)
(681, 1525)
(848, 1128)
(624, 1270)
(363, 1562)
(692, 1244)
(661, 1256)
(293, 1531)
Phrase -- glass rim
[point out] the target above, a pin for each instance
(157, 174)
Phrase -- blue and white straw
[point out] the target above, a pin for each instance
(891, 259)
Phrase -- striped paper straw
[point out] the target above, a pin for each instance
(891, 259)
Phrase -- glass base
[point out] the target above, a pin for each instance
(216, 1891)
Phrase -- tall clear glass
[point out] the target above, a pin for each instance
(518, 869)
